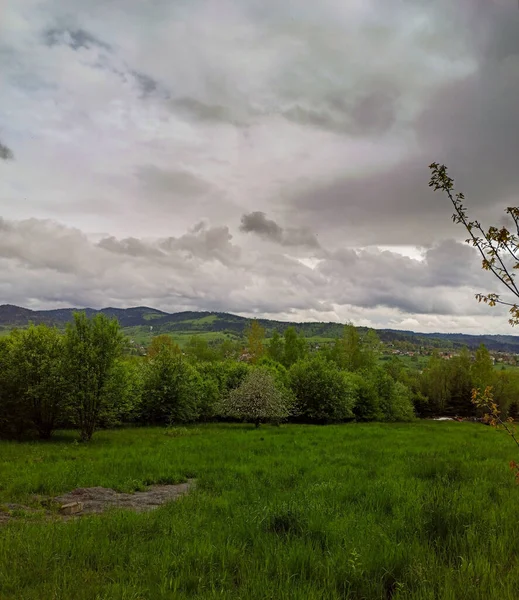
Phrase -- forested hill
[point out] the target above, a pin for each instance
(143, 321)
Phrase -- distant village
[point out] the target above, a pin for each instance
(504, 358)
(398, 349)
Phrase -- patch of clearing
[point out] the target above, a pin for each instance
(98, 499)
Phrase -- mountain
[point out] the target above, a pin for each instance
(142, 322)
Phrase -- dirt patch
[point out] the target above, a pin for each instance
(99, 499)
(96, 500)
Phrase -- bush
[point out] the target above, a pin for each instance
(14, 418)
(380, 398)
(367, 407)
(32, 381)
(323, 393)
(278, 371)
(213, 386)
(258, 399)
(233, 375)
(399, 406)
(123, 394)
(91, 348)
(172, 389)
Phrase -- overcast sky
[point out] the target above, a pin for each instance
(261, 157)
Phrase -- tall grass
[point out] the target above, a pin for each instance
(421, 511)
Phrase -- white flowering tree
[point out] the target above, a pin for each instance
(258, 399)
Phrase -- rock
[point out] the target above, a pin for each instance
(72, 508)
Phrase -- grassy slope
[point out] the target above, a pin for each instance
(419, 511)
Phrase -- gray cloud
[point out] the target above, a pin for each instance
(75, 38)
(204, 269)
(257, 222)
(140, 121)
(173, 181)
(5, 152)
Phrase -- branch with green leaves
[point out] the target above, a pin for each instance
(497, 246)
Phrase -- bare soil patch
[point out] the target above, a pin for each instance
(96, 500)
(99, 499)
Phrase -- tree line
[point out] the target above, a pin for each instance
(84, 379)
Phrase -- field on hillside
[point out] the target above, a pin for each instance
(424, 511)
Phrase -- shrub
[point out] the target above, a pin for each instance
(367, 407)
(258, 399)
(91, 348)
(233, 374)
(33, 385)
(172, 389)
(123, 394)
(323, 392)
(399, 406)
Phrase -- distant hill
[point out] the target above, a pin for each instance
(142, 322)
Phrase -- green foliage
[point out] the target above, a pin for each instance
(255, 335)
(198, 350)
(294, 347)
(353, 353)
(91, 347)
(14, 414)
(367, 405)
(233, 374)
(172, 389)
(276, 347)
(278, 371)
(33, 383)
(323, 393)
(122, 394)
(482, 369)
(397, 405)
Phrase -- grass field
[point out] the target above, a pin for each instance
(423, 511)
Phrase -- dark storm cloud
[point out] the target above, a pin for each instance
(257, 223)
(174, 181)
(371, 114)
(5, 152)
(470, 124)
(75, 38)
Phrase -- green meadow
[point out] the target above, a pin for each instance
(426, 510)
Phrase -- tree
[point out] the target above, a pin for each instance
(295, 347)
(91, 347)
(460, 385)
(172, 388)
(255, 335)
(497, 246)
(159, 342)
(276, 347)
(436, 384)
(38, 376)
(482, 369)
(198, 350)
(14, 417)
(258, 399)
(323, 392)
(371, 348)
(122, 393)
(353, 353)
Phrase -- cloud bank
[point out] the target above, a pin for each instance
(255, 156)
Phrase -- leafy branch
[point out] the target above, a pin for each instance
(495, 245)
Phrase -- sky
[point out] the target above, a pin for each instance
(258, 157)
